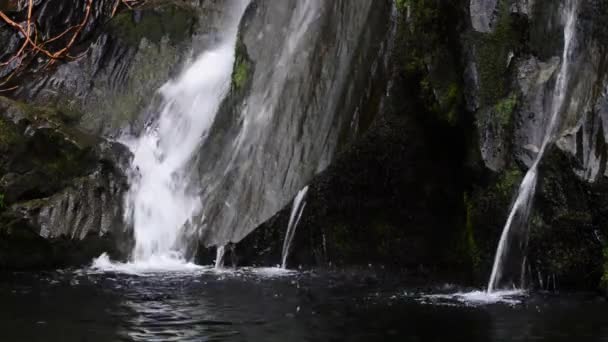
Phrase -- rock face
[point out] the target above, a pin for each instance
(566, 229)
(445, 103)
(59, 186)
(483, 14)
(301, 87)
(494, 111)
(124, 59)
(395, 196)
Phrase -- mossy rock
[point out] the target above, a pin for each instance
(155, 20)
(494, 51)
(428, 56)
(41, 153)
(243, 67)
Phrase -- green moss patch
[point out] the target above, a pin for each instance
(242, 67)
(156, 21)
(493, 50)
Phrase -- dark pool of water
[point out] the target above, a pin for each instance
(247, 306)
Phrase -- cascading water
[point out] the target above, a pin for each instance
(219, 257)
(525, 195)
(295, 102)
(160, 203)
(296, 213)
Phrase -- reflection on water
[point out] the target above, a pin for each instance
(269, 305)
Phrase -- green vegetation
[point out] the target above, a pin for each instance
(7, 134)
(429, 56)
(504, 109)
(493, 55)
(402, 4)
(241, 73)
(242, 66)
(508, 182)
(157, 21)
(1, 201)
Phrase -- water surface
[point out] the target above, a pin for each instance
(270, 305)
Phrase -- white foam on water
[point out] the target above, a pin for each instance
(154, 265)
(475, 298)
(175, 266)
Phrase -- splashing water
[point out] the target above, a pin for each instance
(475, 298)
(219, 257)
(160, 203)
(296, 213)
(523, 202)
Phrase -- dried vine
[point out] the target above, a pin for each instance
(32, 46)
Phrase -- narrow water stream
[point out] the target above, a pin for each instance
(521, 207)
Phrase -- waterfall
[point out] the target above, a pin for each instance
(305, 59)
(525, 195)
(296, 213)
(160, 202)
(219, 257)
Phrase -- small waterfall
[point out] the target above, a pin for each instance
(523, 202)
(219, 257)
(296, 213)
(160, 202)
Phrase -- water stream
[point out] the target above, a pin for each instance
(219, 257)
(160, 202)
(521, 207)
(294, 218)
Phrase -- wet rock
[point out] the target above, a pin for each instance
(124, 60)
(483, 14)
(61, 189)
(302, 83)
(566, 229)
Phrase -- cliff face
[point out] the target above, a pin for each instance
(60, 187)
(511, 94)
(301, 88)
(61, 179)
(430, 186)
(414, 124)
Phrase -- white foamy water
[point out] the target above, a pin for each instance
(160, 202)
(475, 298)
(174, 267)
(156, 264)
(523, 202)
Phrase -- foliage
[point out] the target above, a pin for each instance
(1, 201)
(401, 5)
(504, 109)
(508, 182)
(240, 75)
